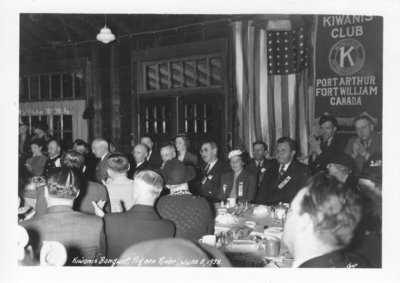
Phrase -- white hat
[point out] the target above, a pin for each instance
(234, 153)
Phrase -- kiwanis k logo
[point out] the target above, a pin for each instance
(347, 56)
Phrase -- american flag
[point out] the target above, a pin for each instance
(271, 84)
(287, 52)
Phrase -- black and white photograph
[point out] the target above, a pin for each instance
(238, 142)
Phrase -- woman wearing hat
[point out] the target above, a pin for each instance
(238, 183)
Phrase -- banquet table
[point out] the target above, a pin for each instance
(266, 225)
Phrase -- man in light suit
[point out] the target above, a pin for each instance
(80, 233)
(321, 223)
(141, 222)
(100, 150)
(209, 186)
(285, 180)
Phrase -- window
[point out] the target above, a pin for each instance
(198, 118)
(52, 86)
(60, 126)
(193, 72)
(157, 119)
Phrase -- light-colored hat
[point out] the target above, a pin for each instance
(235, 152)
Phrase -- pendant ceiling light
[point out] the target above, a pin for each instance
(105, 34)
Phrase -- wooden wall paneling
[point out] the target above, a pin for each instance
(97, 90)
(115, 96)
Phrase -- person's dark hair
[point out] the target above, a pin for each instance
(262, 143)
(117, 162)
(185, 139)
(58, 143)
(41, 125)
(63, 183)
(334, 209)
(73, 160)
(151, 178)
(211, 143)
(79, 142)
(363, 117)
(38, 142)
(292, 143)
(328, 118)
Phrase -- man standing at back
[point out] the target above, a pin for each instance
(212, 171)
(141, 222)
(325, 147)
(153, 157)
(100, 150)
(54, 151)
(283, 183)
(259, 164)
(140, 153)
(80, 233)
(367, 142)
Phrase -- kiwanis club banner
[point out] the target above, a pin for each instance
(348, 66)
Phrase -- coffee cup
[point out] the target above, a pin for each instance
(231, 202)
(210, 240)
(272, 246)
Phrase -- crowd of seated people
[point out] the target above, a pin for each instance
(126, 199)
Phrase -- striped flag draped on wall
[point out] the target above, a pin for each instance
(271, 85)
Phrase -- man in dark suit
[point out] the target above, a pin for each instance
(90, 160)
(211, 173)
(259, 164)
(153, 158)
(54, 151)
(366, 143)
(283, 182)
(80, 233)
(326, 146)
(100, 150)
(88, 191)
(141, 222)
(321, 222)
(140, 153)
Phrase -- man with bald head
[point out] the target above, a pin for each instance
(100, 150)
(140, 153)
(167, 152)
(365, 143)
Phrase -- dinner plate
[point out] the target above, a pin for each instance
(243, 246)
(251, 224)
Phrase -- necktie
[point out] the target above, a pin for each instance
(324, 146)
(206, 169)
(258, 167)
(282, 171)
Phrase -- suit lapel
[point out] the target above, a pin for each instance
(229, 184)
